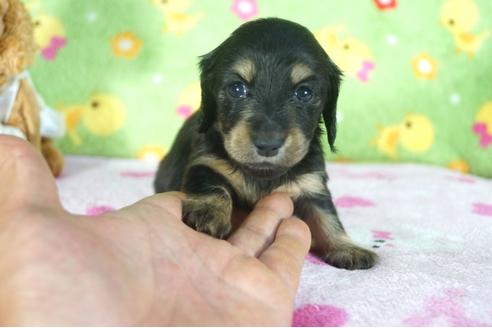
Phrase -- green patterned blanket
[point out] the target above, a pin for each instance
(417, 86)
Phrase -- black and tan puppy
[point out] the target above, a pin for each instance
(264, 92)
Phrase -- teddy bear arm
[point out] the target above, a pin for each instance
(52, 155)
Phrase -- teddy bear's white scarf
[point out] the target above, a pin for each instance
(7, 98)
(52, 124)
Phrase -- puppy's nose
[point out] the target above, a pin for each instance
(268, 147)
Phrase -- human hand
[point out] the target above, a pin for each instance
(140, 265)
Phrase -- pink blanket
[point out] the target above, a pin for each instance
(431, 227)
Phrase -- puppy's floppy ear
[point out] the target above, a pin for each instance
(330, 109)
(208, 106)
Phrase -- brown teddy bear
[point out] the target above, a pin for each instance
(22, 111)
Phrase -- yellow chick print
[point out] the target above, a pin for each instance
(49, 35)
(102, 115)
(350, 54)
(460, 17)
(177, 18)
(387, 140)
(415, 134)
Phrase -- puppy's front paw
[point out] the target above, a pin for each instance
(351, 257)
(209, 214)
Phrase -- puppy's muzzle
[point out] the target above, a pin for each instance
(268, 144)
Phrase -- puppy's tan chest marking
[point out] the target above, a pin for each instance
(236, 179)
(305, 185)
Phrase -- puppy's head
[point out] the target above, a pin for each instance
(265, 90)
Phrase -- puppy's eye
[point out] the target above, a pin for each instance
(304, 93)
(238, 90)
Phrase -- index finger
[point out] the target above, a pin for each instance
(168, 202)
(285, 256)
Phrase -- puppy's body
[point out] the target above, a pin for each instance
(264, 91)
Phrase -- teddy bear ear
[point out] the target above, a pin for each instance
(3, 11)
(4, 5)
(14, 59)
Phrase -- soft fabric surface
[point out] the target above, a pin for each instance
(417, 73)
(431, 227)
